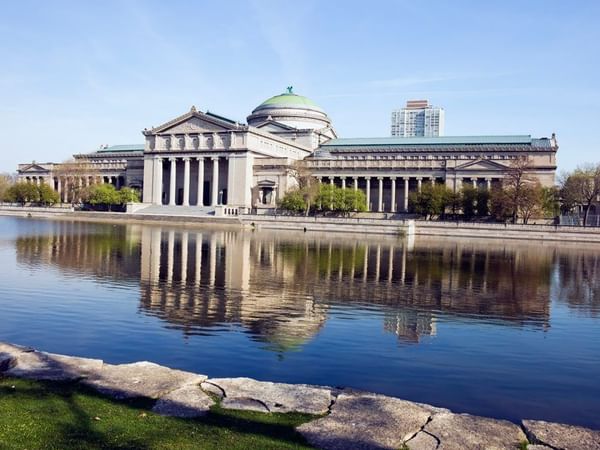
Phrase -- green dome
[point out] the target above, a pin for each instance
(289, 100)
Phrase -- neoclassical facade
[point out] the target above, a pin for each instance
(203, 160)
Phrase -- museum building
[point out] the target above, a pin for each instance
(204, 160)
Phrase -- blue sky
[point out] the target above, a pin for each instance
(75, 75)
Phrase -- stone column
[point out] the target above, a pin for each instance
(474, 182)
(172, 181)
(59, 188)
(158, 172)
(215, 182)
(380, 195)
(200, 201)
(355, 181)
(368, 193)
(419, 183)
(343, 182)
(489, 184)
(432, 181)
(331, 181)
(405, 194)
(186, 181)
(393, 209)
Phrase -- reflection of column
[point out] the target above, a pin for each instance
(365, 262)
(200, 201)
(155, 240)
(198, 267)
(215, 182)
(405, 194)
(377, 262)
(170, 256)
(213, 259)
(391, 264)
(353, 262)
(186, 181)
(184, 256)
(393, 194)
(172, 185)
(368, 193)
(380, 195)
(329, 261)
(403, 268)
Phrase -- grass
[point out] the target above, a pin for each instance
(38, 415)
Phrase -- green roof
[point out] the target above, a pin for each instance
(441, 140)
(122, 148)
(289, 100)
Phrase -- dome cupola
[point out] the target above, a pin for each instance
(290, 109)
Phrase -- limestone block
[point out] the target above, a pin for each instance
(277, 397)
(212, 389)
(244, 403)
(140, 379)
(557, 435)
(48, 366)
(423, 441)
(366, 421)
(9, 354)
(469, 432)
(188, 401)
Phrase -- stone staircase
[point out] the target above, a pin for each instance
(181, 211)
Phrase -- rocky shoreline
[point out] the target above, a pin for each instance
(347, 419)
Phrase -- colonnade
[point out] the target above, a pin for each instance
(68, 186)
(196, 184)
(391, 193)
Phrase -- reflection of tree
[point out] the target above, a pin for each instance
(580, 281)
(98, 250)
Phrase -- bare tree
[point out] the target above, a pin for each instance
(72, 174)
(308, 185)
(581, 187)
(518, 176)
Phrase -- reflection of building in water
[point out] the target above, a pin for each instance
(81, 248)
(279, 288)
(197, 280)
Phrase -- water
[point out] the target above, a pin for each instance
(508, 330)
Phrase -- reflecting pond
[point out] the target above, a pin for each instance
(503, 329)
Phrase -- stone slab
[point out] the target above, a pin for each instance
(277, 397)
(366, 421)
(212, 389)
(35, 365)
(243, 403)
(557, 435)
(140, 379)
(467, 432)
(188, 401)
(423, 441)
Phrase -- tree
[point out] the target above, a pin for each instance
(432, 200)
(517, 176)
(550, 201)
(582, 187)
(46, 195)
(293, 201)
(499, 204)
(530, 201)
(22, 193)
(72, 173)
(308, 186)
(6, 181)
(128, 195)
(104, 194)
(469, 199)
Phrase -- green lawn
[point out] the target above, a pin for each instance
(35, 415)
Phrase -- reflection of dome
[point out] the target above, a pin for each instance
(290, 109)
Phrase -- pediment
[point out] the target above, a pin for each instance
(481, 164)
(34, 168)
(196, 122)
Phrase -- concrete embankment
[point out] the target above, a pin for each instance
(358, 225)
(349, 419)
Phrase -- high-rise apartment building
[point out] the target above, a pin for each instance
(418, 118)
